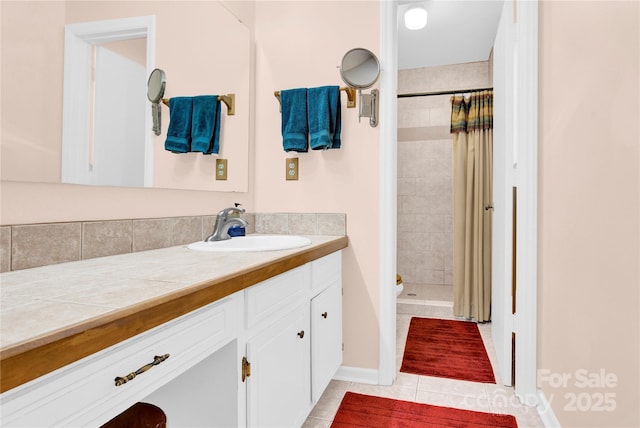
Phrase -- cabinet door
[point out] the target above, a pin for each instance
(326, 336)
(278, 389)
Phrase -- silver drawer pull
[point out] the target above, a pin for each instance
(156, 360)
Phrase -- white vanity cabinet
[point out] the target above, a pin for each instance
(294, 345)
(85, 393)
(288, 330)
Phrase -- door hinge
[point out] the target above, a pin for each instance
(246, 368)
(514, 246)
(513, 359)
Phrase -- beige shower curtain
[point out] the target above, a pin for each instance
(472, 129)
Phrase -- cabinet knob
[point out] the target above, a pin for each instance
(324, 315)
(301, 334)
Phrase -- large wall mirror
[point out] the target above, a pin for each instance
(202, 47)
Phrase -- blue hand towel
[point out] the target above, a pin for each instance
(179, 132)
(205, 124)
(295, 130)
(325, 122)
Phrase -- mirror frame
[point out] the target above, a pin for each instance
(78, 39)
(351, 83)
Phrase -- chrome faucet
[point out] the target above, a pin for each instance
(224, 222)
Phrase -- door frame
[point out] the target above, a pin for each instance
(526, 122)
(78, 41)
(526, 180)
(388, 190)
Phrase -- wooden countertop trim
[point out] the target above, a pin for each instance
(23, 362)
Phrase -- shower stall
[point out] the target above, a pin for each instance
(425, 192)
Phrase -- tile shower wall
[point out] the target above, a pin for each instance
(33, 245)
(425, 194)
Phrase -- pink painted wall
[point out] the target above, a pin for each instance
(589, 210)
(32, 64)
(30, 203)
(300, 44)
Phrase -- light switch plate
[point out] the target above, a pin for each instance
(221, 169)
(292, 168)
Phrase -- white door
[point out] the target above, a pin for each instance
(502, 251)
(515, 166)
(119, 120)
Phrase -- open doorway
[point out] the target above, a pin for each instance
(518, 65)
(451, 54)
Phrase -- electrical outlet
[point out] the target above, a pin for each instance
(292, 168)
(221, 169)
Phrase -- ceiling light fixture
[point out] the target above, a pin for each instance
(415, 18)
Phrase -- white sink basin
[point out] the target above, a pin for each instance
(252, 243)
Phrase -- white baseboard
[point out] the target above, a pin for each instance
(357, 374)
(546, 412)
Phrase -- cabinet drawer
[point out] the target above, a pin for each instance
(326, 271)
(274, 294)
(84, 393)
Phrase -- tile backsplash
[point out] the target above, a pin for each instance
(301, 224)
(33, 245)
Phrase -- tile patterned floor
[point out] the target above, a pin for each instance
(424, 389)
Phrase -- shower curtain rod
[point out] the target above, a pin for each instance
(428, 94)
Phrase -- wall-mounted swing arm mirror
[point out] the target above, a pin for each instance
(360, 69)
(155, 91)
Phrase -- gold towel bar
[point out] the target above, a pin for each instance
(351, 96)
(229, 100)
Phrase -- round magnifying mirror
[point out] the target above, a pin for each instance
(155, 85)
(155, 91)
(360, 68)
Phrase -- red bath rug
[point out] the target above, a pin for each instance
(446, 348)
(357, 410)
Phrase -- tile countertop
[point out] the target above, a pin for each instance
(54, 315)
